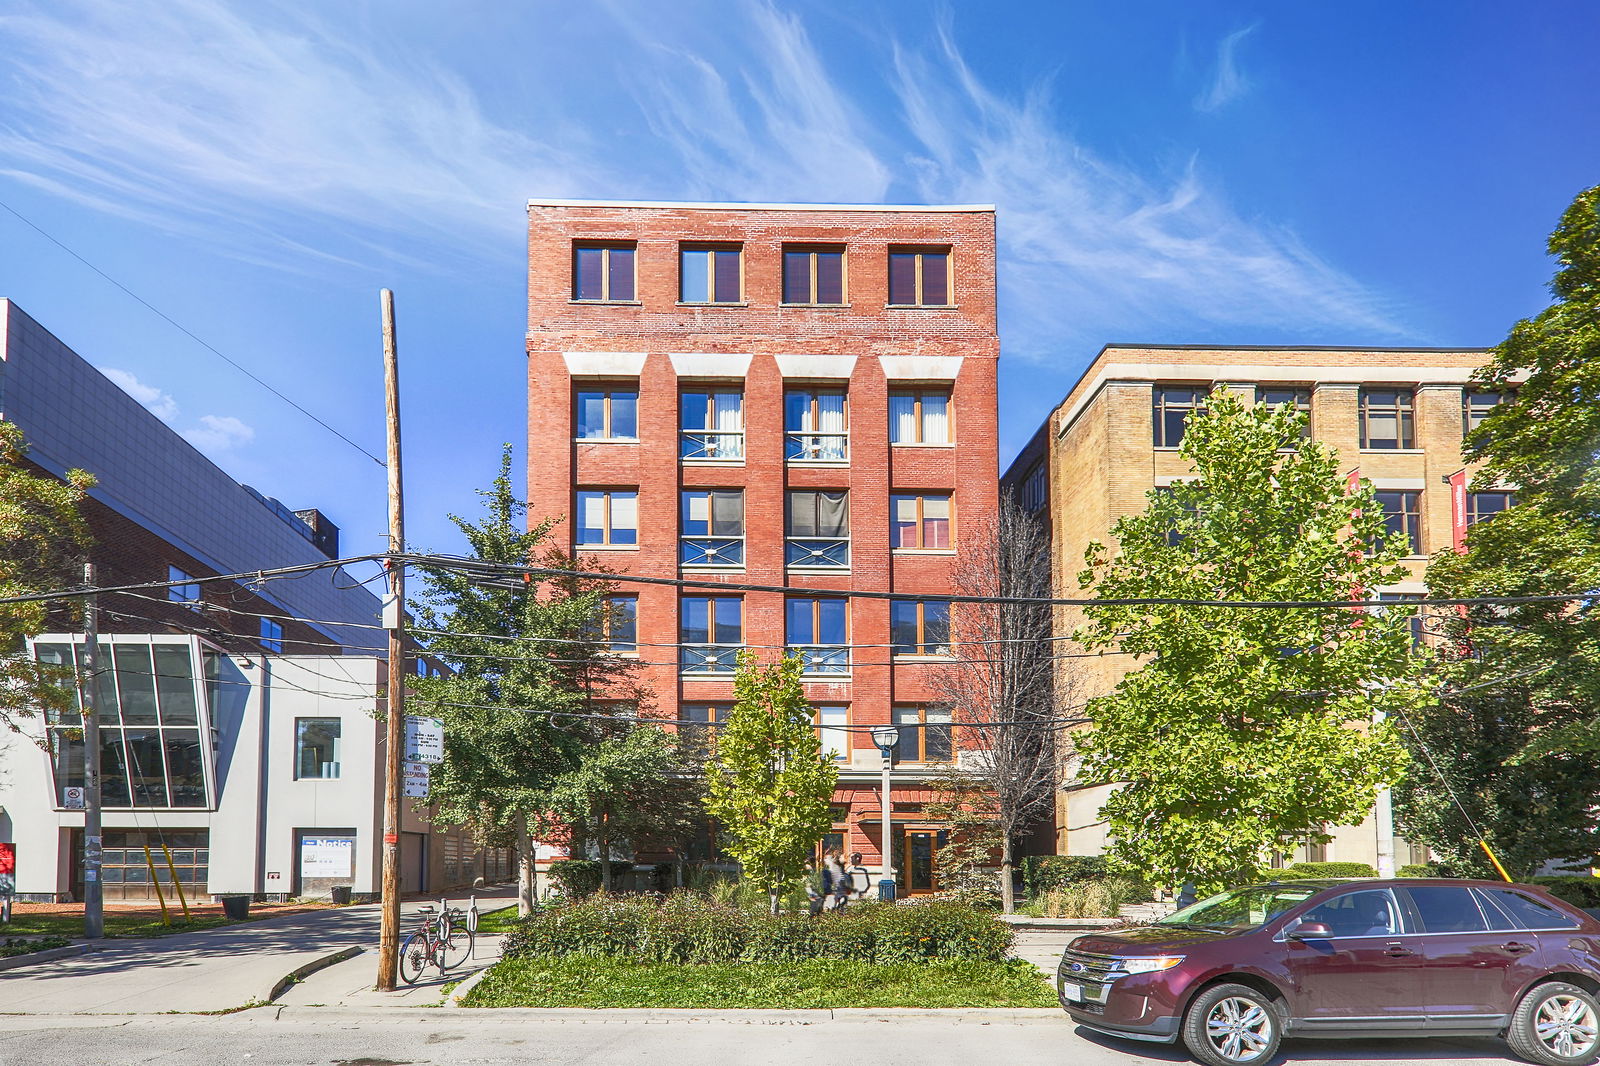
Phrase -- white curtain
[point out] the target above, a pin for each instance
(835, 738)
(903, 419)
(935, 419)
(728, 418)
(624, 512)
(830, 419)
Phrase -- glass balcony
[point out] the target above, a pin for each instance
(711, 551)
(708, 658)
(712, 445)
(805, 447)
(829, 553)
(828, 659)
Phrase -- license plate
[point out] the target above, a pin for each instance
(1072, 991)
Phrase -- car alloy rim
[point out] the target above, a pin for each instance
(1566, 1025)
(1240, 1029)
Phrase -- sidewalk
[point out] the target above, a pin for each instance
(350, 983)
(211, 970)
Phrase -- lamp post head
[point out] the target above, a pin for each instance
(886, 737)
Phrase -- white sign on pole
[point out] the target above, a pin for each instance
(415, 783)
(72, 797)
(424, 739)
(327, 856)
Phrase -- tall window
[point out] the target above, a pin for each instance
(603, 272)
(919, 521)
(919, 277)
(1482, 505)
(818, 529)
(1387, 419)
(316, 748)
(817, 630)
(713, 528)
(619, 624)
(271, 635)
(1299, 399)
(711, 274)
(1478, 404)
(926, 734)
(920, 627)
(607, 412)
(816, 426)
(813, 274)
(608, 517)
(921, 417)
(1417, 627)
(702, 721)
(832, 723)
(1402, 518)
(1173, 404)
(712, 424)
(711, 632)
(1033, 488)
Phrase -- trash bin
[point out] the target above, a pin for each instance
(341, 894)
(236, 908)
(886, 889)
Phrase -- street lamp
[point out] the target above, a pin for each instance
(886, 737)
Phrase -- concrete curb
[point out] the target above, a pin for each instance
(1023, 922)
(665, 1016)
(457, 994)
(48, 955)
(322, 962)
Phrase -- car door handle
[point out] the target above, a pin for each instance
(1516, 947)
(1398, 951)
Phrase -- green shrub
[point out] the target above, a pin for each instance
(1103, 898)
(1335, 869)
(1417, 869)
(1041, 873)
(1288, 873)
(1578, 891)
(577, 878)
(685, 928)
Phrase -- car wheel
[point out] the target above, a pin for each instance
(1556, 1024)
(1232, 1025)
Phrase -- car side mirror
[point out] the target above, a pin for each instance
(1310, 931)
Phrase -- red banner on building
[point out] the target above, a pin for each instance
(8, 869)
(1458, 510)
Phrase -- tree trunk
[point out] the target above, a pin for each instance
(605, 853)
(772, 897)
(525, 859)
(1008, 894)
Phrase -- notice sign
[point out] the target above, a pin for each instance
(424, 739)
(327, 856)
(415, 783)
(8, 869)
(72, 797)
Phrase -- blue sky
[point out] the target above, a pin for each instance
(1165, 172)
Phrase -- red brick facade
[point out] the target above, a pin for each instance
(762, 346)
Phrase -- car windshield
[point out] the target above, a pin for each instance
(1241, 908)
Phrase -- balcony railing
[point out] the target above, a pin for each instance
(711, 551)
(712, 444)
(816, 447)
(822, 658)
(708, 658)
(823, 553)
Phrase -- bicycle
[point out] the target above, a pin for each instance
(438, 940)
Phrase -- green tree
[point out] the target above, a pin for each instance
(44, 541)
(1244, 730)
(527, 667)
(768, 781)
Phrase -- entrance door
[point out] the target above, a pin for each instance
(917, 859)
(413, 862)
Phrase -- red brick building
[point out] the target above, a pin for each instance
(782, 394)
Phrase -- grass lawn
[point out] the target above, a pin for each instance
(575, 981)
(501, 921)
(130, 922)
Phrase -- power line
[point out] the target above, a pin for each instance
(187, 332)
(247, 576)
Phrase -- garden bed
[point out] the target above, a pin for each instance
(11, 947)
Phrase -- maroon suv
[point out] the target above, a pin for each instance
(1234, 974)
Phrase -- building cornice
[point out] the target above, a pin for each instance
(695, 205)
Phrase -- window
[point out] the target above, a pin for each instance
(1033, 489)
(919, 277)
(1448, 909)
(608, 517)
(919, 417)
(813, 274)
(603, 272)
(1387, 419)
(608, 413)
(316, 748)
(1482, 505)
(711, 632)
(832, 723)
(817, 630)
(1402, 517)
(713, 528)
(920, 627)
(926, 734)
(1417, 626)
(619, 624)
(188, 595)
(712, 425)
(1517, 911)
(711, 274)
(816, 426)
(919, 522)
(702, 721)
(1174, 535)
(1369, 913)
(1476, 405)
(271, 635)
(1299, 399)
(818, 534)
(1173, 404)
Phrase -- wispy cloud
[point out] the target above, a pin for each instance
(1227, 82)
(154, 400)
(219, 433)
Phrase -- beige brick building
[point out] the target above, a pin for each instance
(1395, 415)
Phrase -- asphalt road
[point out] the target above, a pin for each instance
(275, 1036)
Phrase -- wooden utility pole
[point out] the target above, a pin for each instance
(94, 920)
(394, 619)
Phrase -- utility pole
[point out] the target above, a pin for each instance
(394, 619)
(1383, 815)
(94, 923)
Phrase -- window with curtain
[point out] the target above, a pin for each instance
(607, 412)
(816, 425)
(710, 633)
(919, 277)
(818, 529)
(919, 417)
(1387, 419)
(711, 274)
(817, 629)
(713, 528)
(608, 518)
(926, 734)
(712, 424)
(919, 521)
(603, 271)
(813, 274)
(832, 723)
